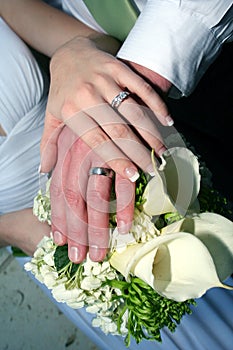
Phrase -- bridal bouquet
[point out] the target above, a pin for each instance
(176, 250)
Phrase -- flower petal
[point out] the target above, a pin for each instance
(216, 233)
(178, 266)
(176, 185)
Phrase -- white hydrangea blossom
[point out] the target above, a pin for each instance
(142, 230)
(87, 292)
(88, 288)
(41, 206)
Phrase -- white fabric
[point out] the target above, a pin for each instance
(22, 108)
(178, 39)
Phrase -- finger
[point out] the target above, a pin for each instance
(125, 194)
(141, 118)
(137, 85)
(98, 206)
(48, 145)
(122, 128)
(146, 124)
(58, 209)
(58, 220)
(97, 139)
(74, 185)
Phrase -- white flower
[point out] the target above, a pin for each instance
(50, 279)
(93, 309)
(76, 304)
(62, 294)
(175, 185)
(48, 258)
(142, 230)
(90, 283)
(106, 324)
(29, 266)
(169, 263)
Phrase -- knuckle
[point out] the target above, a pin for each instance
(77, 236)
(68, 108)
(55, 190)
(96, 202)
(139, 115)
(112, 65)
(147, 88)
(73, 199)
(85, 90)
(95, 138)
(119, 131)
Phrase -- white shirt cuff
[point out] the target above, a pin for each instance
(179, 39)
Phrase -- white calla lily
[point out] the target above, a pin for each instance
(215, 232)
(175, 185)
(178, 266)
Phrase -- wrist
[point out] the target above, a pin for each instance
(105, 42)
(158, 81)
(81, 44)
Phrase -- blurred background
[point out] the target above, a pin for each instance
(28, 318)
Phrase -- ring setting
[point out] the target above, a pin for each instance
(119, 98)
(101, 171)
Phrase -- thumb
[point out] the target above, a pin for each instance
(48, 145)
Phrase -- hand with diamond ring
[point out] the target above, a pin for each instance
(87, 85)
(89, 93)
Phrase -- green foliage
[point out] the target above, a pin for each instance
(62, 261)
(148, 312)
(212, 201)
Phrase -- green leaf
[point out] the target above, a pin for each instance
(18, 252)
(61, 260)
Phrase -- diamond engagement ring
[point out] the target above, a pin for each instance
(101, 171)
(119, 98)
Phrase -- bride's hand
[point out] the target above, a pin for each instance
(84, 81)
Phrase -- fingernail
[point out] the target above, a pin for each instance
(150, 170)
(132, 174)
(94, 253)
(58, 237)
(39, 170)
(123, 227)
(169, 120)
(161, 151)
(73, 253)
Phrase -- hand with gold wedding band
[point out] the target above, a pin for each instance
(80, 200)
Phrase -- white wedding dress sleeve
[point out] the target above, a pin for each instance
(23, 95)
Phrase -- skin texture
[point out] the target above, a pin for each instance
(85, 77)
(23, 230)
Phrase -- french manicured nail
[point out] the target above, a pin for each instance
(39, 170)
(132, 174)
(150, 170)
(73, 253)
(58, 237)
(169, 120)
